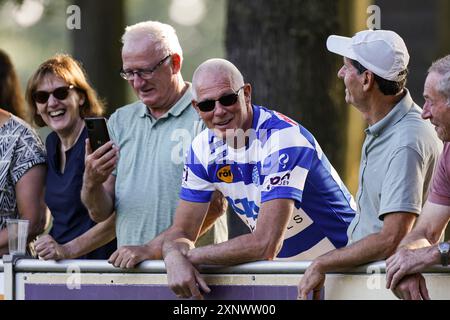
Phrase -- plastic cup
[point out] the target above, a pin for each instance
(17, 236)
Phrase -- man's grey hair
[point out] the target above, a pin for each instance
(220, 66)
(442, 67)
(162, 35)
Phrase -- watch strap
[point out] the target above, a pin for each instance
(444, 251)
(444, 258)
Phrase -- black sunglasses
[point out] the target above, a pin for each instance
(226, 101)
(60, 93)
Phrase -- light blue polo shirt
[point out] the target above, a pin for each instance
(150, 167)
(397, 161)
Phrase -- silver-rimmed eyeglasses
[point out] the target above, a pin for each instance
(145, 74)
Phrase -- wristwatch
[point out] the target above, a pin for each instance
(444, 248)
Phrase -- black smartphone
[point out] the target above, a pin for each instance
(97, 132)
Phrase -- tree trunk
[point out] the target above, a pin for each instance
(279, 46)
(97, 45)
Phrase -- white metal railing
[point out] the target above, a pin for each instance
(100, 272)
(157, 266)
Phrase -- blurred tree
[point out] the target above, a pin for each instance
(279, 46)
(97, 45)
(18, 2)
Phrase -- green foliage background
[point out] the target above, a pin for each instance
(29, 46)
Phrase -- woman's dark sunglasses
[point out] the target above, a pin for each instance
(226, 101)
(60, 93)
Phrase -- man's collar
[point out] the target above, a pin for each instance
(176, 110)
(394, 116)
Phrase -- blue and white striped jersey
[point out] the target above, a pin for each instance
(281, 160)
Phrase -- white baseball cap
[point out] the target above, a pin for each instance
(381, 51)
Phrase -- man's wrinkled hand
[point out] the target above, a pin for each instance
(312, 280)
(127, 257)
(47, 248)
(183, 278)
(412, 287)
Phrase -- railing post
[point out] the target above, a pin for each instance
(8, 271)
(9, 261)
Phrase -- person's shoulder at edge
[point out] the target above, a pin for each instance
(31, 140)
(27, 129)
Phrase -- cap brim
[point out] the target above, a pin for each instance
(341, 45)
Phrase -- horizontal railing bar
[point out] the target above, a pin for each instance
(157, 266)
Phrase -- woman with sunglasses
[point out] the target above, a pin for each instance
(22, 160)
(60, 96)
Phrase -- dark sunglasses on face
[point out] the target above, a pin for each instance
(226, 101)
(60, 93)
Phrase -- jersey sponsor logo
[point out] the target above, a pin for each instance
(224, 174)
(296, 219)
(283, 160)
(298, 222)
(246, 209)
(279, 181)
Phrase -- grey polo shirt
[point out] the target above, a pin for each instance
(397, 161)
(150, 167)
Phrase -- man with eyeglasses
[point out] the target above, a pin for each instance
(152, 135)
(271, 170)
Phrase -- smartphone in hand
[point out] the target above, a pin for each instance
(97, 132)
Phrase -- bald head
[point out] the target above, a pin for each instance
(216, 69)
(222, 100)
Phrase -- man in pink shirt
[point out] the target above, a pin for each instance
(420, 248)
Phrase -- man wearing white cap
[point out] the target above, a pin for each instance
(398, 154)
